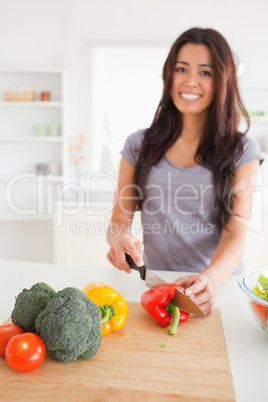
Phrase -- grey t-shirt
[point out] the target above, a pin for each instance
(178, 213)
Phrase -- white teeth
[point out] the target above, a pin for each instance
(189, 96)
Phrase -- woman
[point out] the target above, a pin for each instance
(191, 173)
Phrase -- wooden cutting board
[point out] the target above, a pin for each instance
(139, 362)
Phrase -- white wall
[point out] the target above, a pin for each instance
(58, 33)
(27, 241)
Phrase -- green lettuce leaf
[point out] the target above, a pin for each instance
(263, 281)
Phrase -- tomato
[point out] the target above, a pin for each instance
(25, 352)
(6, 333)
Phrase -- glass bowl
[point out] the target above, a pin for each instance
(258, 306)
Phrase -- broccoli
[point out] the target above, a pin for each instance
(29, 303)
(70, 326)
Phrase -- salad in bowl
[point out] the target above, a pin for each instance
(255, 285)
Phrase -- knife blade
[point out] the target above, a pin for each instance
(151, 279)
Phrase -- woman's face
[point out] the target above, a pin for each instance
(192, 88)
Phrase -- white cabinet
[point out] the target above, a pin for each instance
(32, 133)
(33, 137)
(80, 237)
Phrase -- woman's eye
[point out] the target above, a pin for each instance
(206, 73)
(180, 69)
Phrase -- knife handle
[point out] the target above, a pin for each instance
(131, 263)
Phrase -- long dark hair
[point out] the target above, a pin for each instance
(221, 142)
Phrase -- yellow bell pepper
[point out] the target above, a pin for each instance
(113, 305)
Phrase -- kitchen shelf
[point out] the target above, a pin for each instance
(25, 104)
(21, 148)
(11, 217)
(32, 139)
(58, 178)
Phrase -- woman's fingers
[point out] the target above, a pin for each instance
(207, 307)
(140, 248)
(121, 265)
(121, 261)
(186, 282)
(200, 287)
(199, 284)
(205, 296)
(126, 243)
(135, 251)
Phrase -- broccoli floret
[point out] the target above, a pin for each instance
(29, 303)
(70, 326)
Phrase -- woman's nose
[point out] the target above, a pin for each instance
(192, 79)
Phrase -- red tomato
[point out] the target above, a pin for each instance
(6, 333)
(25, 352)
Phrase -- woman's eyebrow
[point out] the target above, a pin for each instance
(205, 65)
(187, 64)
(182, 62)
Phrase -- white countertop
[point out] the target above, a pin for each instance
(247, 344)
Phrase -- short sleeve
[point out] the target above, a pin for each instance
(132, 145)
(251, 152)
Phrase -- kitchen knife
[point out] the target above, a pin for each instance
(151, 279)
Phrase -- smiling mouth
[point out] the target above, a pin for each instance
(189, 96)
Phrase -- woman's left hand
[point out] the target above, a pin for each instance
(201, 287)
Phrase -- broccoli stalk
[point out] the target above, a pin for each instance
(29, 303)
(70, 326)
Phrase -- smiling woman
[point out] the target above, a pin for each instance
(192, 88)
(194, 142)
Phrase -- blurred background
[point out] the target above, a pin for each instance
(76, 78)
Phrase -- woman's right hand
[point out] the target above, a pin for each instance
(125, 243)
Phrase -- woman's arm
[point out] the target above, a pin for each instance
(231, 246)
(119, 232)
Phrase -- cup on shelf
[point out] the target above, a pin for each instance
(54, 168)
(54, 130)
(42, 168)
(41, 130)
(45, 96)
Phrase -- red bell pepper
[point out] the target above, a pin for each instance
(158, 302)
